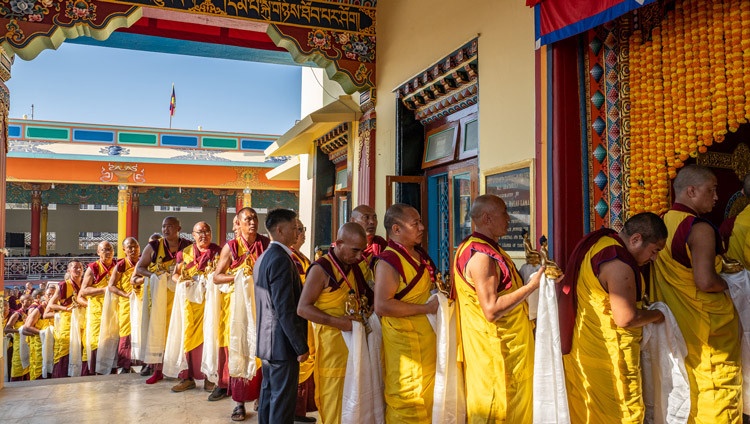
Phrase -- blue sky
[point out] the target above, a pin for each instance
(99, 85)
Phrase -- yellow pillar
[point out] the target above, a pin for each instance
(123, 196)
(246, 201)
(43, 231)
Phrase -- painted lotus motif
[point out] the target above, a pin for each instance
(22, 7)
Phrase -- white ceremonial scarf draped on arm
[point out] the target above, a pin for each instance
(666, 389)
(211, 318)
(449, 399)
(135, 325)
(155, 341)
(24, 349)
(47, 337)
(145, 319)
(526, 271)
(375, 347)
(6, 343)
(739, 291)
(242, 337)
(550, 395)
(358, 402)
(109, 335)
(75, 364)
(175, 360)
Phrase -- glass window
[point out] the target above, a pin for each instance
(440, 145)
(461, 207)
(341, 179)
(343, 210)
(471, 136)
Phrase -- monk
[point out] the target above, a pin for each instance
(93, 287)
(306, 387)
(14, 324)
(121, 284)
(603, 367)
(404, 276)
(330, 282)
(160, 256)
(35, 322)
(236, 256)
(686, 278)
(29, 288)
(365, 216)
(739, 230)
(193, 262)
(63, 302)
(496, 334)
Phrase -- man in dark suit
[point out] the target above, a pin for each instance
(282, 334)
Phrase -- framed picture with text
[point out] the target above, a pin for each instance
(514, 183)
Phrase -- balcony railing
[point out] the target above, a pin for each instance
(40, 267)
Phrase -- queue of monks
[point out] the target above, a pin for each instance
(318, 320)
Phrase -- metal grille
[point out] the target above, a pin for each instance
(40, 268)
(51, 238)
(90, 240)
(444, 248)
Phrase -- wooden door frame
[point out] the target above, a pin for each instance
(422, 181)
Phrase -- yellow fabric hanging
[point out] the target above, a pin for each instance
(16, 370)
(739, 242)
(710, 326)
(409, 346)
(35, 347)
(306, 368)
(498, 356)
(123, 309)
(602, 370)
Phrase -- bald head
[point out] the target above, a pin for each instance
(486, 203)
(351, 241)
(746, 185)
(365, 216)
(171, 220)
(202, 234)
(201, 226)
(129, 241)
(692, 176)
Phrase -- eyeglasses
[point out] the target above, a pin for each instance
(201, 233)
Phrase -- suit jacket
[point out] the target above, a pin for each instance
(282, 334)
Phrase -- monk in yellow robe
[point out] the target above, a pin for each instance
(496, 334)
(306, 388)
(404, 276)
(94, 285)
(365, 216)
(13, 326)
(63, 302)
(330, 282)
(159, 256)
(238, 256)
(121, 284)
(738, 229)
(602, 343)
(194, 262)
(34, 324)
(686, 279)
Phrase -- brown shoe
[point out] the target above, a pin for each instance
(184, 385)
(208, 386)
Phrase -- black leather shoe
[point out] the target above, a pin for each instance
(146, 371)
(217, 394)
(304, 419)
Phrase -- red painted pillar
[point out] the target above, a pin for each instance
(222, 212)
(36, 210)
(238, 201)
(133, 205)
(366, 183)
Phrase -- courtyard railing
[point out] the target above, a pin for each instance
(40, 267)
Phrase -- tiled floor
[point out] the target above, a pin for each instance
(110, 399)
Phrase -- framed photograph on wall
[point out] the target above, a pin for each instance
(514, 183)
(440, 145)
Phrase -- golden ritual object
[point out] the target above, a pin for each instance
(350, 306)
(532, 255)
(318, 253)
(730, 266)
(552, 270)
(443, 285)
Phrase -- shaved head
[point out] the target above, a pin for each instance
(486, 203)
(171, 220)
(648, 225)
(128, 241)
(692, 176)
(201, 226)
(362, 210)
(104, 244)
(746, 185)
(350, 231)
(395, 215)
(365, 216)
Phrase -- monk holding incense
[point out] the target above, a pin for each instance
(121, 284)
(333, 281)
(738, 229)
(497, 336)
(62, 302)
(94, 285)
(306, 387)
(404, 276)
(159, 256)
(602, 336)
(686, 278)
(238, 256)
(193, 262)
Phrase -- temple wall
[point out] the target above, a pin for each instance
(413, 34)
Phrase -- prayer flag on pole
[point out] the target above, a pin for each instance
(172, 102)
